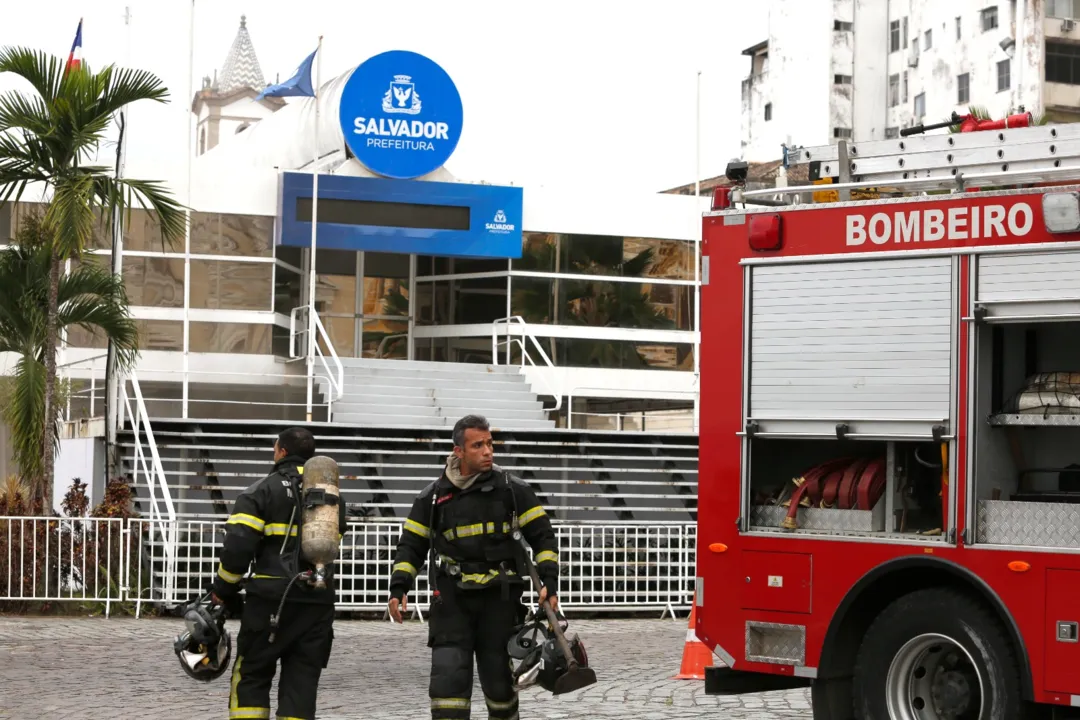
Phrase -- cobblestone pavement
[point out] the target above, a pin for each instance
(89, 668)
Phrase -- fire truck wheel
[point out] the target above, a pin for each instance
(935, 654)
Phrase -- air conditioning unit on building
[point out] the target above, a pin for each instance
(913, 57)
(1067, 25)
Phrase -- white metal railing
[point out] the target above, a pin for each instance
(51, 559)
(515, 325)
(643, 415)
(605, 567)
(609, 567)
(150, 468)
(335, 369)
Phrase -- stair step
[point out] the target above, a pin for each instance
(387, 405)
(353, 380)
(421, 366)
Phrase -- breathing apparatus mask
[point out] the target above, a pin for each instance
(540, 661)
(205, 647)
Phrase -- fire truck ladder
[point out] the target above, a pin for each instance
(957, 161)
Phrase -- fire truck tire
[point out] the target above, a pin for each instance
(937, 653)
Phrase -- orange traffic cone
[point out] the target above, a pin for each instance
(696, 656)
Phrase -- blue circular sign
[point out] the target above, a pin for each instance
(401, 114)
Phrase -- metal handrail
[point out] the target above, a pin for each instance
(525, 333)
(335, 375)
(577, 389)
(155, 473)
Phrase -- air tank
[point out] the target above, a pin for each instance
(319, 540)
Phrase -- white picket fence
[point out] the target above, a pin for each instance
(605, 567)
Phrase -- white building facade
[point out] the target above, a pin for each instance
(865, 69)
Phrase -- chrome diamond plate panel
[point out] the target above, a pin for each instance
(821, 519)
(1005, 522)
(775, 643)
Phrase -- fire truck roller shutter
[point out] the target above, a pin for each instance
(866, 343)
(1028, 286)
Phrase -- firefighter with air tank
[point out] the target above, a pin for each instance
(287, 529)
(472, 521)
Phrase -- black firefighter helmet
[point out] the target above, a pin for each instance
(205, 647)
(541, 661)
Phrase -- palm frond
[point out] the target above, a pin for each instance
(124, 86)
(94, 299)
(70, 215)
(42, 71)
(24, 415)
(151, 194)
(18, 110)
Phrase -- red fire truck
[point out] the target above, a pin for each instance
(889, 488)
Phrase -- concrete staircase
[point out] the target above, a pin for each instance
(397, 393)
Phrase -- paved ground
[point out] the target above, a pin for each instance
(91, 668)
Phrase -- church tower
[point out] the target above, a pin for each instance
(226, 105)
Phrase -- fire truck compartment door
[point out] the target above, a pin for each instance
(777, 581)
(1028, 286)
(1062, 666)
(866, 343)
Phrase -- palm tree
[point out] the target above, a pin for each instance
(47, 140)
(89, 297)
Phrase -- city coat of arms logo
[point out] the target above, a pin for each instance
(401, 97)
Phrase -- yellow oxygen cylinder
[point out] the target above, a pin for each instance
(319, 541)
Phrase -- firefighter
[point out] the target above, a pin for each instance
(282, 618)
(465, 520)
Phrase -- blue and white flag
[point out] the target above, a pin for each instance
(299, 85)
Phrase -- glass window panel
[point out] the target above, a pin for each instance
(386, 339)
(226, 234)
(161, 334)
(607, 255)
(335, 295)
(386, 284)
(595, 303)
(480, 300)
(291, 255)
(81, 338)
(287, 290)
(623, 354)
(230, 338)
(142, 232)
(231, 285)
(538, 252)
(154, 281)
(342, 332)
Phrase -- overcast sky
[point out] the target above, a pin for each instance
(555, 93)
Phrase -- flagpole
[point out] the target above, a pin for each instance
(312, 320)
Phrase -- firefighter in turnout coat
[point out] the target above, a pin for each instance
(465, 520)
(263, 533)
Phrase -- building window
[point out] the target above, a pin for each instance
(903, 99)
(768, 112)
(894, 36)
(989, 17)
(928, 40)
(894, 90)
(957, 28)
(1062, 63)
(903, 42)
(843, 133)
(841, 79)
(1065, 9)
(920, 105)
(891, 133)
(842, 26)
(963, 89)
(1004, 75)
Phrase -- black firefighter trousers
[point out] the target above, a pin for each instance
(302, 643)
(462, 623)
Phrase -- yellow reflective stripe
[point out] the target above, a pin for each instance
(267, 577)
(300, 469)
(279, 529)
(406, 567)
(251, 521)
(231, 578)
(234, 701)
(483, 579)
(448, 534)
(529, 515)
(497, 705)
(547, 556)
(415, 527)
(450, 704)
(286, 717)
(469, 530)
(249, 713)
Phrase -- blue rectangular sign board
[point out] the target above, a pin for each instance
(401, 216)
